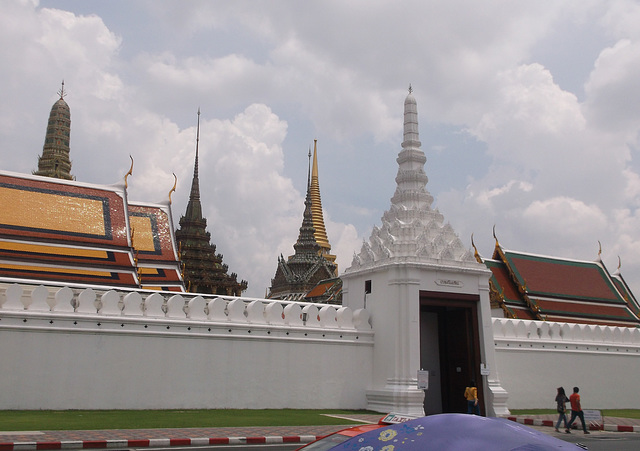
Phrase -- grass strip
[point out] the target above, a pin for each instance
(52, 420)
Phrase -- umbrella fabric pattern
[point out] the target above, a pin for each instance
(455, 432)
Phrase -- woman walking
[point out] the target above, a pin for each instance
(561, 401)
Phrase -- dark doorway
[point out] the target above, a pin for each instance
(449, 350)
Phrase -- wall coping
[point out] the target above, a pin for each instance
(82, 309)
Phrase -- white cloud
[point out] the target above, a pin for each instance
(563, 216)
(559, 167)
(614, 88)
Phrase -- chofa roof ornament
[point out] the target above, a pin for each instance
(126, 176)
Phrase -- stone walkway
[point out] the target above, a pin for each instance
(612, 424)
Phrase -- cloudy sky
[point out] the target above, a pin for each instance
(529, 114)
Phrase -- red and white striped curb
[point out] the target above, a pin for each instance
(154, 442)
(607, 427)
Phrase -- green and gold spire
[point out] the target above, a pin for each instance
(55, 161)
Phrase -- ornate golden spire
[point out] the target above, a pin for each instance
(316, 208)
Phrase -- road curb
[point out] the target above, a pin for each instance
(551, 423)
(154, 443)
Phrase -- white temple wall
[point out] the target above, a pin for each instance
(78, 349)
(535, 357)
(247, 354)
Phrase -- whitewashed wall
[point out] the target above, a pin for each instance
(533, 358)
(82, 349)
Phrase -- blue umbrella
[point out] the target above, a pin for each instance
(455, 432)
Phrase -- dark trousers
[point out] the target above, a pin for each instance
(473, 408)
(574, 415)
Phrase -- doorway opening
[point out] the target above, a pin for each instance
(449, 350)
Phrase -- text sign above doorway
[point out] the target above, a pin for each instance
(450, 283)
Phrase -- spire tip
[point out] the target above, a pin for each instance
(61, 93)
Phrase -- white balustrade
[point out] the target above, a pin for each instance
(13, 298)
(517, 330)
(361, 319)
(327, 316)
(218, 309)
(235, 311)
(132, 304)
(255, 312)
(310, 316)
(39, 300)
(175, 307)
(86, 302)
(109, 302)
(293, 315)
(153, 306)
(344, 318)
(274, 313)
(195, 308)
(63, 300)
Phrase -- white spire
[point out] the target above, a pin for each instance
(411, 228)
(411, 137)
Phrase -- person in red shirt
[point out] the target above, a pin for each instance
(576, 410)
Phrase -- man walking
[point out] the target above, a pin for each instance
(576, 411)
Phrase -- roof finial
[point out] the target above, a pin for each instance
(599, 251)
(175, 183)
(410, 88)
(197, 142)
(128, 173)
(309, 170)
(476, 254)
(61, 93)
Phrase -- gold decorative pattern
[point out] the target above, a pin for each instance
(67, 271)
(81, 215)
(55, 250)
(143, 239)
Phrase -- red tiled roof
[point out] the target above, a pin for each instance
(551, 307)
(563, 278)
(501, 276)
(561, 289)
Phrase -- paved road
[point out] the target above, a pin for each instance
(271, 438)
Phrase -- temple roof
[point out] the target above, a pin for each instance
(541, 287)
(72, 232)
(155, 247)
(326, 291)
